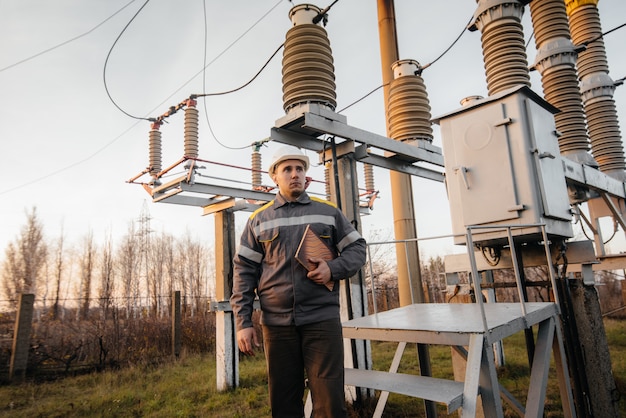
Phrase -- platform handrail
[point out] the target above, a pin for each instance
(474, 269)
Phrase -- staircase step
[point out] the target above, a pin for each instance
(447, 392)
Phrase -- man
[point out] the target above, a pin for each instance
(299, 314)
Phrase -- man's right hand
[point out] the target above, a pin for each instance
(247, 340)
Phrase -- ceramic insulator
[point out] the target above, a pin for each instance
(504, 49)
(256, 169)
(597, 88)
(308, 70)
(408, 115)
(155, 152)
(191, 132)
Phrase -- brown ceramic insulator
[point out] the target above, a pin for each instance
(191, 132)
(409, 109)
(308, 70)
(155, 152)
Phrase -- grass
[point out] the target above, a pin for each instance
(187, 387)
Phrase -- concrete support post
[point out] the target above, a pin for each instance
(409, 275)
(226, 352)
(21, 336)
(353, 294)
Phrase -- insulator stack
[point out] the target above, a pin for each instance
(308, 70)
(327, 180)
(368, 173)
(584, 22)
(191, 130)
(606, 137)
(502, 37)
(597, 88)
(155, 149)
(556, 62)
(256, 169)
(409, 109)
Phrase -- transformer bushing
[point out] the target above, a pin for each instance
(597, 88)
(502, 38)
(308, 70)
(556, 62)
(408, 115)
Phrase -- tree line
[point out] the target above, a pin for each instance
(132, 275)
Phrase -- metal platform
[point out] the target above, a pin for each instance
(463, 325)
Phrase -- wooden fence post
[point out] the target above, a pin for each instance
(176, 324)
(21, 336)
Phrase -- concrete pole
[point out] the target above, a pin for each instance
(226, 352)
(344, 192)
(409, 275)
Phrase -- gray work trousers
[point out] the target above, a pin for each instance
(315, 348)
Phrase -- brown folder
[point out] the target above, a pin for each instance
(311, 245)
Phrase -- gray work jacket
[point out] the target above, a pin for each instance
(265, 264)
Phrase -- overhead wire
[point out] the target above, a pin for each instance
(194, 96)
(448, 48)
(602, 35)
(138, 119)
(363, 97)
(106, 61)
(205, 95)
(75, 38)
(108, 144)
(421, 68)
(72, 165)
(246, 83)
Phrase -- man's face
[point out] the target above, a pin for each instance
(289, 175)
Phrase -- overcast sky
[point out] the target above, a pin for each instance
(67, 150)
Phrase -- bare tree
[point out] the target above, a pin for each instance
(25, 258)
(173, 274)
(157, 269)
(381, 259)
(87, 261)
(433, 272)
(181, 263)
(197, 259)
(129, 264)
(107, 276)
(144, 237)
(59, 264)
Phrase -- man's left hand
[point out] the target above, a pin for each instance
(321, 274)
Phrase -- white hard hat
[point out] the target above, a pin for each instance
(287, 152)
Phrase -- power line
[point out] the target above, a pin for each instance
(421, 68)
(45, 51)
(586, 43)
(106, 61)
(448, 48)
(363, 97)
(205, 95)
(72, 165)
(139, 119)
